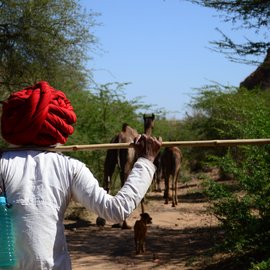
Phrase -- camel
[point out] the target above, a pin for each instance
(158, 175)
(148, 128)
(170, 165)
(148, 121)
(124, 158)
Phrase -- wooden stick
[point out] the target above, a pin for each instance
(107, 146)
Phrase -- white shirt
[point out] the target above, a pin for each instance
(40, 186)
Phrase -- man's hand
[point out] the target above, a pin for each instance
(147, 146)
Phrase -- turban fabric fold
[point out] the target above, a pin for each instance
(37, 115)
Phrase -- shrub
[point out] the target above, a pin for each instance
(244, 212)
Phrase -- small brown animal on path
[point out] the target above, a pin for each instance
(170, 165)
(140, 229)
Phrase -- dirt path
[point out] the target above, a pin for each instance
(177, 239)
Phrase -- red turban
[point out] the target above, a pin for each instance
(37, 115)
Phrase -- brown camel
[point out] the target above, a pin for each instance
(170, 165)
(148, 128)
(124, 158)
(148, 121)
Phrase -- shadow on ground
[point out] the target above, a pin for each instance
(164, 246)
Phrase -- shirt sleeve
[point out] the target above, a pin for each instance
(86, 190)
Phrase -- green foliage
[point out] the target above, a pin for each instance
(215, 191)
(264, 265)
(248, 15)
(43, 40)
(168, 130)
(50, 40)
(100, 116)
(227, 113)
(245, 214)
(244, 211)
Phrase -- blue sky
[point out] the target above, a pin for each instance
(161, 47)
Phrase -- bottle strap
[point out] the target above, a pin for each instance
(2, 185)
(8, 205)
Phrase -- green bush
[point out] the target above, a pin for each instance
(265, 265)
(244, 211)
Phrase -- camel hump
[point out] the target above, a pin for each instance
(124, 127)
(131, 132)
(128, 133)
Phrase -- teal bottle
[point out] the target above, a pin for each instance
(7, 246)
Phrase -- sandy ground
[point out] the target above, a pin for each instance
(178, 238)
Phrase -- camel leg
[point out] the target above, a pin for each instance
(173, 191)
(143, 246)
(176, 186)
(158, 188)
(156, 180)
(136, 246)
(157, 183)
(109, 167)
(166, 190)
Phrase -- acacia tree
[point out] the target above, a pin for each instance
(100, 114)
(244, 15)
(43, 40)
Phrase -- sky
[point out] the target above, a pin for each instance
(162, 49)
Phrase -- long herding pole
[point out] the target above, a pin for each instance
(107, 146)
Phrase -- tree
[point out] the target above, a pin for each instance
(242, 206)
(101, 113)
(249, 15)
(43, 40)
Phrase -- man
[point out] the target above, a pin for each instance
(40, 184)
